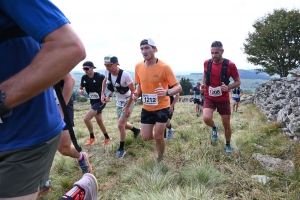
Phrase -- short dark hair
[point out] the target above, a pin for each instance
(217, 44)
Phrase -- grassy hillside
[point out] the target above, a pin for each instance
(193, 168)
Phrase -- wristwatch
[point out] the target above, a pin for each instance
(168, 93)
(4, 111)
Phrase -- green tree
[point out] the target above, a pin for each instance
(275, 42)
(186, 86)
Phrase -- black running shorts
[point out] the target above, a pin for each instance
(151, 117)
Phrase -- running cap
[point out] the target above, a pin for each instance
(148, 41)
(89, 63)
(198, 83)
(111, 58)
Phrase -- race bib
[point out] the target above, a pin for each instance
(215, 92)
(235, 96)
(150, 99)
(121, 103)
(94, 95)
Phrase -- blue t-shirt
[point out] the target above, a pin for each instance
(38, 119)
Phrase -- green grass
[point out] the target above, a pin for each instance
(193, 167)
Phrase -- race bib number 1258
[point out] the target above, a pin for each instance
(215, 92)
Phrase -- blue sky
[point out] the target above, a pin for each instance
(182, 29)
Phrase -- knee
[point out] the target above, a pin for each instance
(206, 119)
(121, 126)
(86, 119)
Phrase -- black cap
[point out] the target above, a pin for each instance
(89, 63)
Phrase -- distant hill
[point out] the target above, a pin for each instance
(244, 74)
(250, 80)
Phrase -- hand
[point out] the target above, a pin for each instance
(202, 87)
(103, 100)
(224, 87)
(160, 91)
(126, 110)
(171, 109)
(135, 96)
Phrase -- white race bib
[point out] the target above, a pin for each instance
(94, 95)
(215, 92)
(235, 96)
(150, 99)
(121, 103)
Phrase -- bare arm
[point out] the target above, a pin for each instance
(68, 87)
(236, 83)
(175, 100)
(61, 52)
(203, 78)
(131, 88)
(176, 89)
(137, 92)
(104, 85)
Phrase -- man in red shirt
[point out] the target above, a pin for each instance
(215, 86)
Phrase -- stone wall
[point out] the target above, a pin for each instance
(279, 100)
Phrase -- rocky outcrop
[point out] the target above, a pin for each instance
(279, 100)
(274, 164)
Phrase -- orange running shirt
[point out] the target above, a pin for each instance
(149, 79)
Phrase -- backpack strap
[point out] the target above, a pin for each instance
(110, 86)
(119, 77)
(67, 119)
(223, 76)
(208, 72)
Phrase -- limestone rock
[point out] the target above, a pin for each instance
(272, 164)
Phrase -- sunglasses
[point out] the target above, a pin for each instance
(86, 69)
(108, 65)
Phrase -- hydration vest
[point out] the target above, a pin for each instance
(236, 91)
(223, 75)
(119, 88)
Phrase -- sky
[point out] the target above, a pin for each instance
(183, 30)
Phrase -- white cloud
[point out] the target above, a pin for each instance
(182, 29)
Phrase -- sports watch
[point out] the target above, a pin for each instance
(168, 93)
(4, 111)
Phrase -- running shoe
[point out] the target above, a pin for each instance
(137, 132)
(90, 141)
(170, 133)
(45, 189)
(106, 141)
(214, 134)
(228, 148)
(160, 159)
(84, 164)
(89, 183)
(121, 153)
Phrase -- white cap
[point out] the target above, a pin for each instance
(148, 41)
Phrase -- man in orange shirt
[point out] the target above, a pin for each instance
(153, 77)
